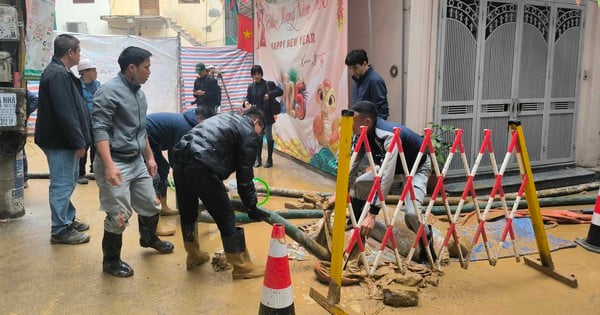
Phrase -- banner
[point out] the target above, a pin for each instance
(38, 38)
(301, 45)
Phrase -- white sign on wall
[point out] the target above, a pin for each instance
(8, 109)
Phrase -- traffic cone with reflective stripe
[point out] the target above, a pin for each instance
(277, 295)
(592, 243)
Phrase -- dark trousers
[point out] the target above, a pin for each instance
(160, 181)
(192, 183)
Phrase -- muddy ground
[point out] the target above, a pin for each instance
(40, 278)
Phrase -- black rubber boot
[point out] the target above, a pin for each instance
(270, 145)
(148, 236)
(111, 262)
(258, 162)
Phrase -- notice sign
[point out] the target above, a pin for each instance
(8, 109)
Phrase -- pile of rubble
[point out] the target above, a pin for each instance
(310, 200)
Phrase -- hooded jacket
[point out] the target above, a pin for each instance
(223, 144)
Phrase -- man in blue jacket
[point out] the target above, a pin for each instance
(164, 131)
(62, 130)
(368, 85)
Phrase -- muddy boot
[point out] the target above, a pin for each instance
(258, 162)
(162, 229)
(195, 257)
(270, 145)
(238, 256)
(111, 261)
(148, 236)
(165, 209)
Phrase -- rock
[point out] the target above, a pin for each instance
(293, 205)
(311, 198)
(433, 280)
(410, 279)
(306, 205)
(400, 298)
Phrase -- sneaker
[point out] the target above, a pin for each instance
(82, 180)
(70, 236)
(79, 225)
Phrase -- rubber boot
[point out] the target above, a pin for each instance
(258, 162)
(164, 207)
(238, 256)
(195, 257)
(111, 261)
(162, 229)
(270, 145)
(148, 236)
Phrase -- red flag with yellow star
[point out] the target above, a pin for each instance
(245, 34)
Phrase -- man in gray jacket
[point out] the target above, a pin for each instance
(124, 182)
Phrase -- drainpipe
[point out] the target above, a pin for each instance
(403, 66)
(371, 42)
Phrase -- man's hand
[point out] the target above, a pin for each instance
(266, 97)
(113, 175)
(80, 153)
(246, 105)
(367, 224)
(152, 167)
(199, 92)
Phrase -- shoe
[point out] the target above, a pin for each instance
(79, 225)
(237, 255)
(82, 180)
(195, 256)
(111, 261)
(25, 185)
(269, 163)
(70, 236)
(165, 209)
(148, 238)
(258, 163)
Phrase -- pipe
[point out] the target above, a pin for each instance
(391, 199)
(241, 217)
(290, 230)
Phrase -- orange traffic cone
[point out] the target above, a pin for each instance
(277, 295)
(592, 243)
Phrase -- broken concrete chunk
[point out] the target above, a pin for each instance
(312, 197)
(410, 279)
(400, 298)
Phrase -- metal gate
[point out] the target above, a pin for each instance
(510, 59)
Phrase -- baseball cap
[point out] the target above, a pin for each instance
(200, 67)
(85, 64)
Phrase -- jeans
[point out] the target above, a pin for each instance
(161, 179)
(64, 166)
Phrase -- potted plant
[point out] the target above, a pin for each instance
(441, 138)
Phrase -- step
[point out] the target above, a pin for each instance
(545, 179)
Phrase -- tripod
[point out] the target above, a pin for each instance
(220, 76)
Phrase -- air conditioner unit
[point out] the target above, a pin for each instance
(77, 27)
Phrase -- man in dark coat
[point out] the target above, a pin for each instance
(368, 85)
(262, 94)
(204, 157)
(62, 130)
(206, 89)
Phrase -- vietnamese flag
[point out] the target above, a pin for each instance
(245, 34)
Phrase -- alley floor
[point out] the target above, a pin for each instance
(39, 278)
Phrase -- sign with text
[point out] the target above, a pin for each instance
(8, 109)
(301, 45)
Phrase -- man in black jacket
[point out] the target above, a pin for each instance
(62, 130)
(206, 89)
(368, 85)
(204, 157)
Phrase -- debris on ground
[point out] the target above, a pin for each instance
(219, 262)
(310, 200)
